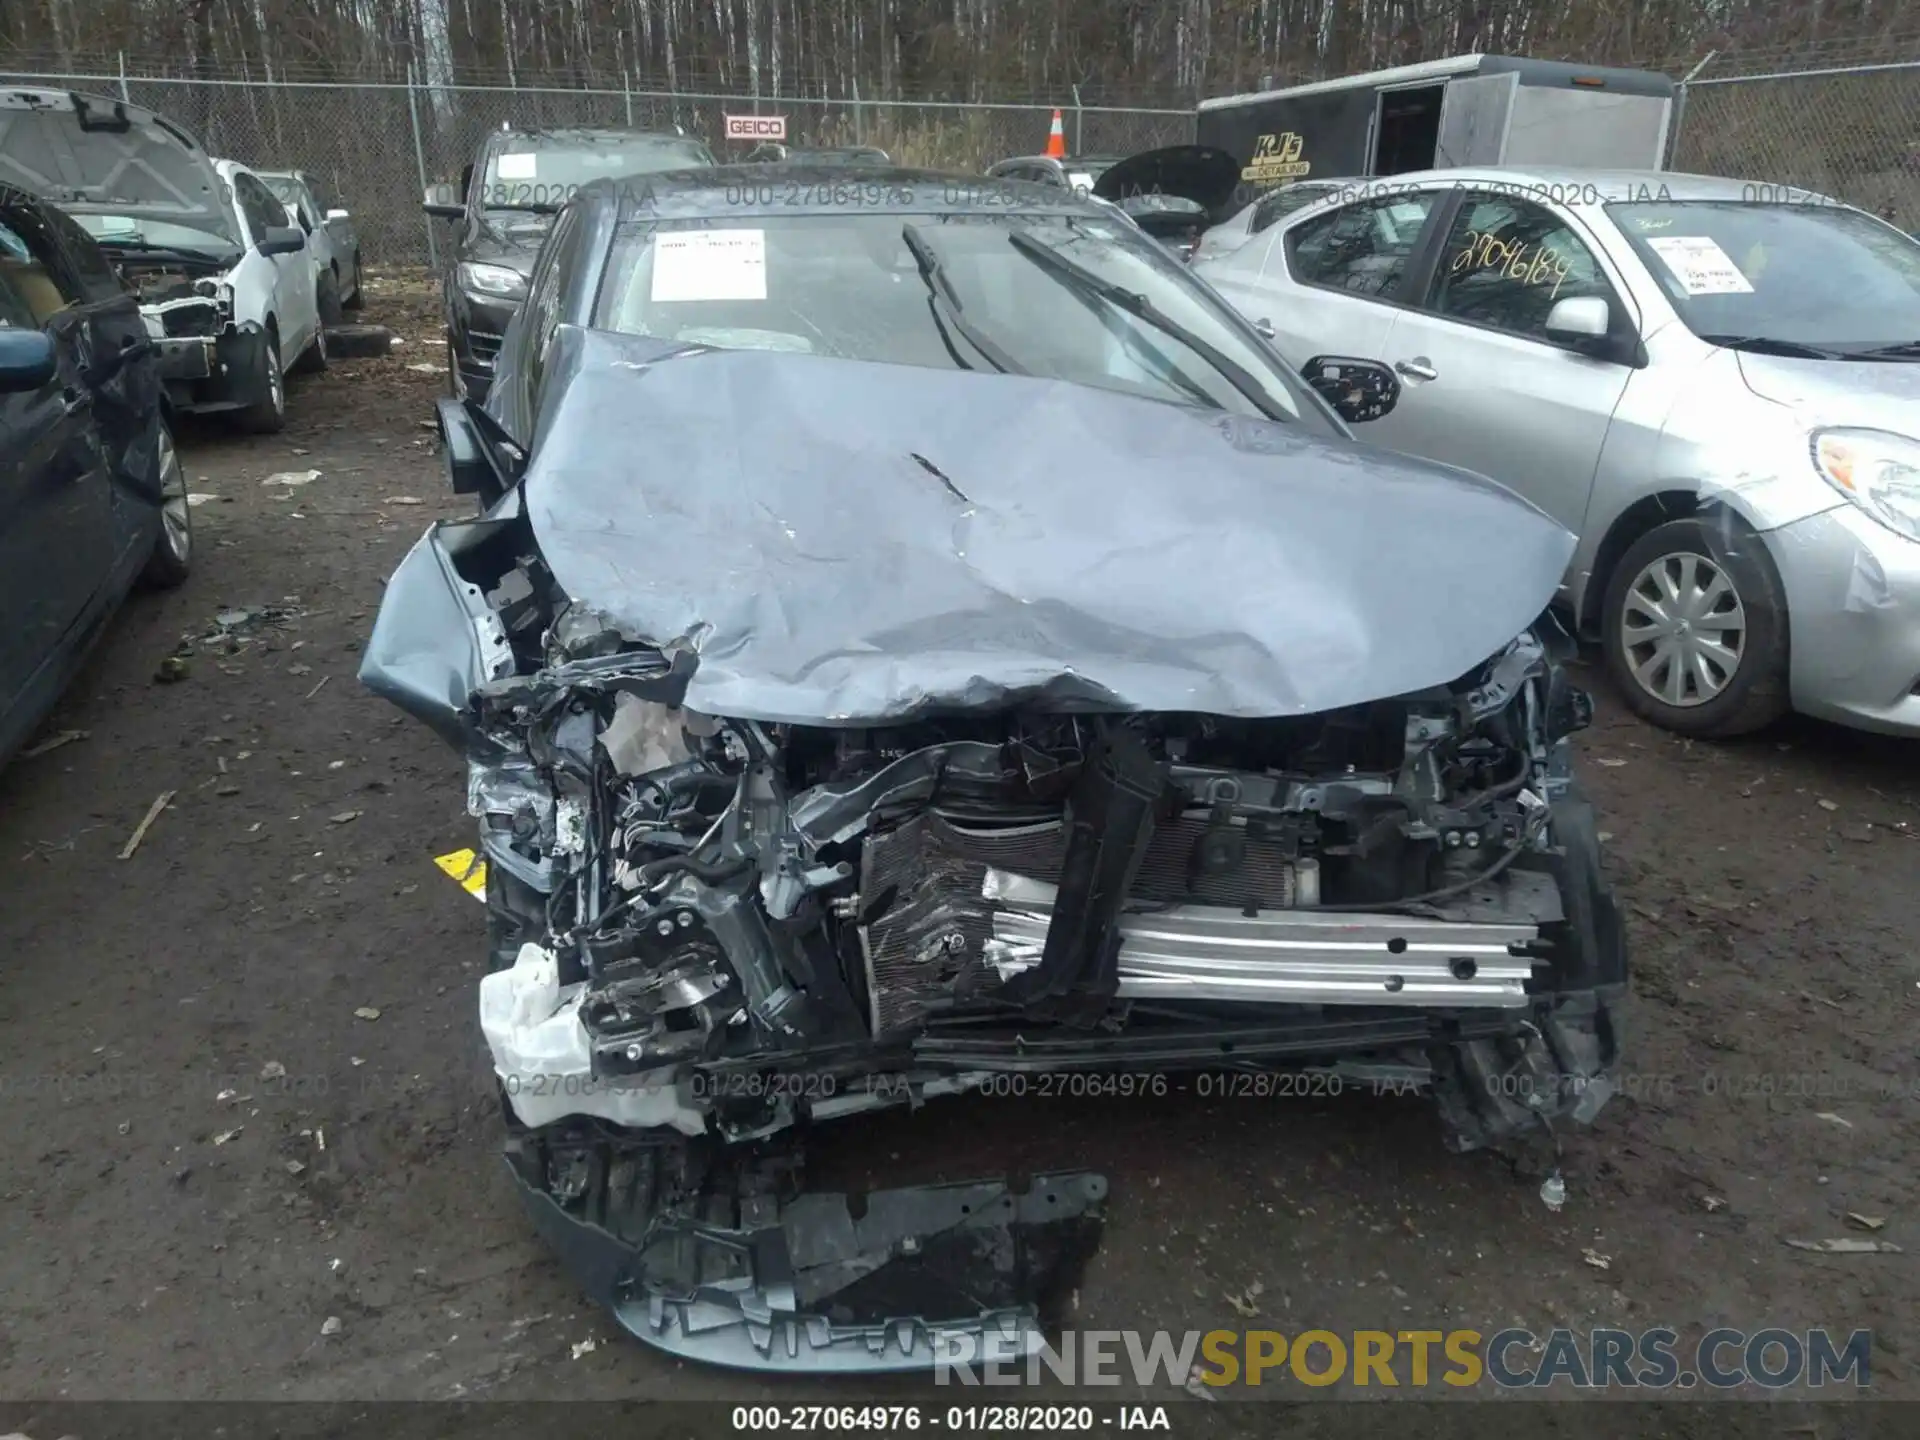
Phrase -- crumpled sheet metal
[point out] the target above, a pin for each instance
(965, 1271)
(846, 542)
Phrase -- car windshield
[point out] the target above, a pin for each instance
(837, 157)
(1073, 298)
(1298, 196)
(1812, 277)
(284, 187)
(145, 233)
(527, 172)
(1083, 175)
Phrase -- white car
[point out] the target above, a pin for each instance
(224, 280)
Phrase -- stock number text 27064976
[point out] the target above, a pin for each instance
(1072, 1084)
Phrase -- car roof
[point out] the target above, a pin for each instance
(789, 189)
(589, 135)
(1061, 160)
(1576, 186)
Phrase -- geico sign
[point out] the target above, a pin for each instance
(756, 127)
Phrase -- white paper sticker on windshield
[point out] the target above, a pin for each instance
(516, 167)
(710, 265)
(1700, 265)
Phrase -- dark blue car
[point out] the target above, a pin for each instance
(92, 496)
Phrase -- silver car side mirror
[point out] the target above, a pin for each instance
(1581, 317)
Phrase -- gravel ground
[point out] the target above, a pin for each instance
(248, 1097)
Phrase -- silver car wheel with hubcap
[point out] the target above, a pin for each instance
(176, 526)
(1683, 629)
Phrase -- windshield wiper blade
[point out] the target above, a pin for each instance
(1141, 308)
(135, 245)
(1902, 350)
(1767, 345)
(940, 294)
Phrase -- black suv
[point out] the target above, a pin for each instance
(511, 192)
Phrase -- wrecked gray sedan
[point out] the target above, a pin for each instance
(910, 646)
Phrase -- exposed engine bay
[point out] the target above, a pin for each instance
(808, 788)
(207, 360)
(719, 897)
(721, 929)
(178, 296)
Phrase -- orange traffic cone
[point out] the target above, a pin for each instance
(1057, 139)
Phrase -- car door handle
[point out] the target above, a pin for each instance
(1264, 328)
(1418, 368)
(74, 402)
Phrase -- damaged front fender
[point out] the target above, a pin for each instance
(436, 639)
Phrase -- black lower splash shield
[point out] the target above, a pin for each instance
(1110, 819)
(713, 1254)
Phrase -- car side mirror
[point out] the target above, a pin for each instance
(1580, 317)
(281, 240)
(26, 360)
(1358, 390)
(338, 215)
(470, 465)
(1584, 325)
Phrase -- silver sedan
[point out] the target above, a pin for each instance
(1715, 384)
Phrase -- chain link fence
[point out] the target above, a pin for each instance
(380, 146)
(1852, 133)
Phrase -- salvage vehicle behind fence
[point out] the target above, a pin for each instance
(332, 244)
(517, 183)
(1038, 681)
(220, 269)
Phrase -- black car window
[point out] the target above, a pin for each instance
(1508, 262)
(86, 261)
(1282, 202)
(323, 200)
(15, 312)
(33, 265)
(1363, 248)
(542, 313)
(288, 192)
(852, 286)
(522, 171)
(263, 212)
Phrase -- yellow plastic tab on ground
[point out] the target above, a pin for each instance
(468, 868)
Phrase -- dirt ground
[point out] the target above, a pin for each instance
(182, 1219)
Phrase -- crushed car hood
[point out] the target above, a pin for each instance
(1202, 174)
(92, 153)
(850, 542)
